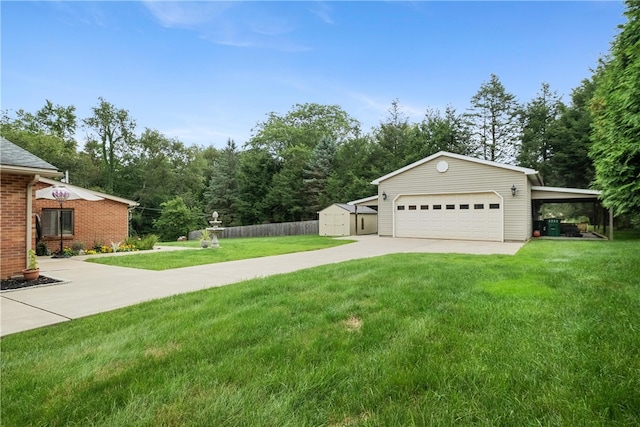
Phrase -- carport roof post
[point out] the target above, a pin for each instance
(533, 175)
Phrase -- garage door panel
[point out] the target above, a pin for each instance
(475, 216)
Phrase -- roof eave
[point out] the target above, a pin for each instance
(567, 190)
(130, 203)
(23, 170)
(366, 199)
(526, 171)
(536, 178)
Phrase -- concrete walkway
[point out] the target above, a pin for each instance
(94, 288)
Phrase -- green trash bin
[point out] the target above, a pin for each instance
(553, 227)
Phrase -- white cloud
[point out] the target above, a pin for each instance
(244, 25)
(186, 15)
(323, 11)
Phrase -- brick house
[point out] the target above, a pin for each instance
(84, 223)
(19, 173)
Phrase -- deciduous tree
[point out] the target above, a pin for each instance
(112, 133)
(304, 125)
(176, 219)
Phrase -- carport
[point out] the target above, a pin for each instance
(541, 195)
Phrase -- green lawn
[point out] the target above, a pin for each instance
(550, 336)
(231, 250)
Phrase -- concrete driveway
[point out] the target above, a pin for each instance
(95, 288)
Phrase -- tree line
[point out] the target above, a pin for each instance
(296, 163)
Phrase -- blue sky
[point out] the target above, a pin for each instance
(205, 71)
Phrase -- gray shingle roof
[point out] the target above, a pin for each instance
(12, 155)
(361, 209)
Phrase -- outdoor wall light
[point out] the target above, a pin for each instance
(514, 190)
(384, 196)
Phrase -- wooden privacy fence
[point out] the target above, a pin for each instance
(265, 230)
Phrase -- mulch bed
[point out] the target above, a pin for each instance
(8, 284)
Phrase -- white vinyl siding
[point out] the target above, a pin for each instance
(462, 177)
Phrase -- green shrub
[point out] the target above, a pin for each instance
(142, 244)
(148, 242)
(42, 249)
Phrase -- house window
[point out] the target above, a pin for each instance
(464, 206)
(449, 207)
(494, 205)
(424, 207)
(362, 223)
(478, 206)
(412, 207)
(437, 207)
(51, 222)
(400, 207)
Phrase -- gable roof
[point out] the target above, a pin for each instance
(131, 203)
(363, 202)
(352, 208)
(16, 159)
(534, 176)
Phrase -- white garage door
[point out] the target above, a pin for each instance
(473, 216)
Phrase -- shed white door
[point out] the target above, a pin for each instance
(468, 216)
(334, 224)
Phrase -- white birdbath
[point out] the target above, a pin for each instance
(214, 230)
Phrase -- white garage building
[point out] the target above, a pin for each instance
(450, 196)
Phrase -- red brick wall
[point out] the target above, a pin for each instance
(13, 223)
(100, 222)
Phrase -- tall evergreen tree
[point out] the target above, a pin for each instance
(356, 164)
(286, 199)
(222, 192)
(493, 119)
(255, 176)
(570, 165)
(317, 172)
(538, 117)
(394, 138)
(447, 132)
(616, 109)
